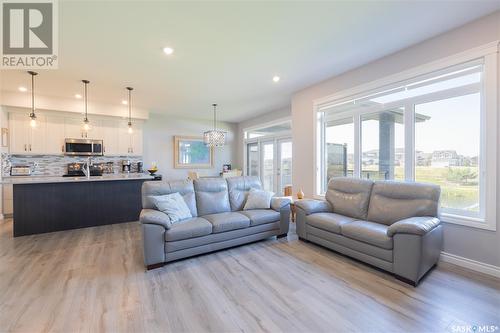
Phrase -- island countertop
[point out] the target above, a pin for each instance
(59, 179)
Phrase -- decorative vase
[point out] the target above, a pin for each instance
(300, 194)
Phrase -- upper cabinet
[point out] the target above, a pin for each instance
(130, 144)
(54, 141)
(25, 139)
(110, 133)
(51, 131)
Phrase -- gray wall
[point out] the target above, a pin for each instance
(261, 119)
(475, 244)
(159, 132)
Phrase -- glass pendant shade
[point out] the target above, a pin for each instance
(215, 137)
(130, 130)
(33, 121)
(86, 123)
(32, 115)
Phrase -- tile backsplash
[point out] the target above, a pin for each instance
(56, 165)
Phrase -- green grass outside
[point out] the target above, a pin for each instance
(454, 193)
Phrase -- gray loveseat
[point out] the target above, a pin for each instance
(218, 222)
(390, 225)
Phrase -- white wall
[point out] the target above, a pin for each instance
(159, 132)
(475, 244)
(261, 119)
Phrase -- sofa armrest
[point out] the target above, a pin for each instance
(419, 225)
(153, 216)
(310, 206)
(278, 203)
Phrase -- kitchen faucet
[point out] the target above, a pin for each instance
(86, 167)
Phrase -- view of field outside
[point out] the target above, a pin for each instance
(447, 149)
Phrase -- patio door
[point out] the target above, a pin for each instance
(268, 165)
(284, 159)
(271, 160)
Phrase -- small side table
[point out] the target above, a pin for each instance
(292, 208)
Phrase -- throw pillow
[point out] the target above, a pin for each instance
(258, 199)
(173, 205)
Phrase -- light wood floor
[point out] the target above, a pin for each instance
(93, 280)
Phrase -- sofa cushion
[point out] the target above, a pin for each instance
(349, 196)
(190, 228)
(227, 221)
(211, 196)
(173, 205)
(368, 232)
(328, 221)
(238, 188)
(392, 201)
(261, 216)
(184, 187)
(258, 199)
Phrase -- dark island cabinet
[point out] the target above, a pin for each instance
(48, 207)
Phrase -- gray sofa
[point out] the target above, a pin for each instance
(218, 222)
(390, 225)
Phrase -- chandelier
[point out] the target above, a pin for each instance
(215, 137)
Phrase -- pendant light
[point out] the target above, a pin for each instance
(32, 113)
(86, 122)
(130, 130)
(215, 137)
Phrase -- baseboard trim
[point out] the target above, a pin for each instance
(470, 264)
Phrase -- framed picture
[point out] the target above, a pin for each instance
(190, 152)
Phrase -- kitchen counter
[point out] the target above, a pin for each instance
(47, 204)
(60, 179)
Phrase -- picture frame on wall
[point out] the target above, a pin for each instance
(190, 152)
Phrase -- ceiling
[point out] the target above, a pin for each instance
(228, 52)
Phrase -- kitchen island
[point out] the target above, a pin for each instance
(47, 204)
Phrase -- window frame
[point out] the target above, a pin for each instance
(488, 56)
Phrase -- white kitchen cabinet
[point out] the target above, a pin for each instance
(25, 139)
(124, 140)
(137, 140)
(73, 128)
(109, 130)
(95, 131)
(54, 141)
(130, 144)
(52, 129)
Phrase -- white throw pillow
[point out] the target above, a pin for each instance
(258, 199)
(173, 205)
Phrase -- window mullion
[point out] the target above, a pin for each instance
(409, 125)
(357, 145)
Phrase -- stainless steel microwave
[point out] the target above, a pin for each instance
(83, 147)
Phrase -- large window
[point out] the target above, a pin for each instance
(432, 128)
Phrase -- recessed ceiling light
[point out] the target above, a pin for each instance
(124, 102)
(276, 78)
(78, 96)
(168, 50)
(23, 89)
